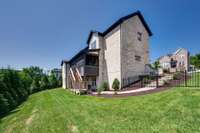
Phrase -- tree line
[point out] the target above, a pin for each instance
(195, 60)
(16, 86)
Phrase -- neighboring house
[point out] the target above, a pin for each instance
(165, 61)
(177, 61)
(121, 51)
(57, 72)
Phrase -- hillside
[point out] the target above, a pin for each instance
(175, 110)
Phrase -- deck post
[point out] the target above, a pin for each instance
(157, 80)
(141, 79)
(185, 73)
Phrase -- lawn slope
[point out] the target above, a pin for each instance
(58, 111)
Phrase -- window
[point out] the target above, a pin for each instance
(94, 83)
(139, 36)
(92, 60)
(93, 45)
(138, 58)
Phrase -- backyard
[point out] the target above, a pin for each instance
(57, 110)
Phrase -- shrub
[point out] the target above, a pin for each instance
(44, 84)
(115, 85)
(35, 86)
(15, 86)
(166, 82)
(166, 71)
(53, 81)
(105, 86)
(177, 76)
(4, 106)
(99, 90)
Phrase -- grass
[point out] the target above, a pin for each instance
(59, 111)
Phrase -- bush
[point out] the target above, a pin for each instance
(105, 86)
(4, 106)
(166, 71)
(166, 82)
(16, 86)
(177, 76)
(53, 81)
(35, 86)
(99, 90)
(44, 84)
(116, 84)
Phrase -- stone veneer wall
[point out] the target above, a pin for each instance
(102, 69)
(131, 47)
(112, 59)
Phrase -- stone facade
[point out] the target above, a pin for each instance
(132, 48)
(123, 49)
(112, 56)
(119, 49)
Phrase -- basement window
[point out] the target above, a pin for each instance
(138, 58)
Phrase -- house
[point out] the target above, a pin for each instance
(177, 61)
(121, 51)
(57, 72)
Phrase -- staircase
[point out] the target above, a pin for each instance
(161, 81)
(76, 79)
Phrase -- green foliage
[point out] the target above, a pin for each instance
(60, 81)
(156, 65)
(16, 86)
(4, 106)
(35, 86)
(44, 84)
(53, 81)
(116, 84)
(166, 71)
(177, 76)
(99, 90)
(105, 86)
(195, 60)
(59, 111)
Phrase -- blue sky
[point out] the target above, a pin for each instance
(43, 32)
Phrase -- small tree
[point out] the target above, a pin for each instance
(35, 86)
(53, 81)
(115, 85)
(156, 65)
(44, 84)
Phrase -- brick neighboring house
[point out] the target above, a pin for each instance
(121, 51)
(177, 61)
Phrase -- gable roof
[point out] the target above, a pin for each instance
(91, 33)
(81, 52)
(119, 21)
(113, 26)
(178, 50)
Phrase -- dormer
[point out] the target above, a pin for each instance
(93, 40)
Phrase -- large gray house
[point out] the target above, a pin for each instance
(121, 51)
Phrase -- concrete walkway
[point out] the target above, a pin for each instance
(126, 92)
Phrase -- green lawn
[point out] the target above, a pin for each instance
(58, 111)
